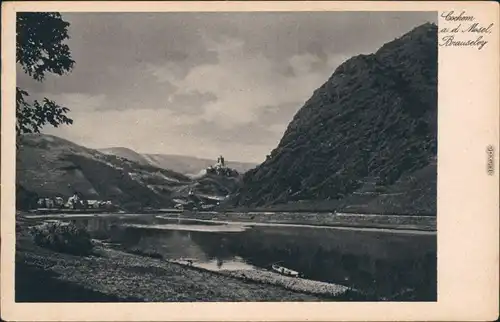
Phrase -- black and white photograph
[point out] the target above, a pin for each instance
(249, 161)
(226, 156)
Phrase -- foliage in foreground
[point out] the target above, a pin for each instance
(41, 50)
(62, 237)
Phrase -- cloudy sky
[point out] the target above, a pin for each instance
(204, 84)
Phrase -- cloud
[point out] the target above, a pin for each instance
(190, 103)
(245, 86)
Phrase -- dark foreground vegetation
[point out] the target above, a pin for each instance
(62, 237)
(38, 285)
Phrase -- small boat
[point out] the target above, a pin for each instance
(285, 271)
(186, 261)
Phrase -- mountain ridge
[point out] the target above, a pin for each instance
(375, 117)
(188, 165)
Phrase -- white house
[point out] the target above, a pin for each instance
(74, 201)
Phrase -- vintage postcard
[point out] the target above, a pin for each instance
(250, 161)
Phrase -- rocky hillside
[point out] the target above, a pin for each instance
(179, 163)
(365, 140)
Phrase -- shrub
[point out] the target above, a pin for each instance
(62, 237)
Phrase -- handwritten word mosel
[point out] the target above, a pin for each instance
(478, 29)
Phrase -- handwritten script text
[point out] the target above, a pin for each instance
(465, 32)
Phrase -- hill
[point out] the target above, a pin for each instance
(192, 165)
(127, 154)
(187, 165)
(366, 140)
(49, 166)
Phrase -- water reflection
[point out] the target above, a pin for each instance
(378, 262)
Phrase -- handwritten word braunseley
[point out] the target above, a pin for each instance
(448, 41)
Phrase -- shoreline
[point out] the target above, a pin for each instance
(265, 277)
(317, 220)
(379, 228)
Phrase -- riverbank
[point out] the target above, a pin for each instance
(395, 222)
(83, 211)
(340, 220)
(113, 275)
(58, 211)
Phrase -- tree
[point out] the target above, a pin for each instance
(40, 49)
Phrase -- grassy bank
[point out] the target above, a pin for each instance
(35, 284)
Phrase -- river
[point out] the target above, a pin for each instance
(380, 261)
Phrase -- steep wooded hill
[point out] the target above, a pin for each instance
(374, 120)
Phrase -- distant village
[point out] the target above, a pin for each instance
(73, 202)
